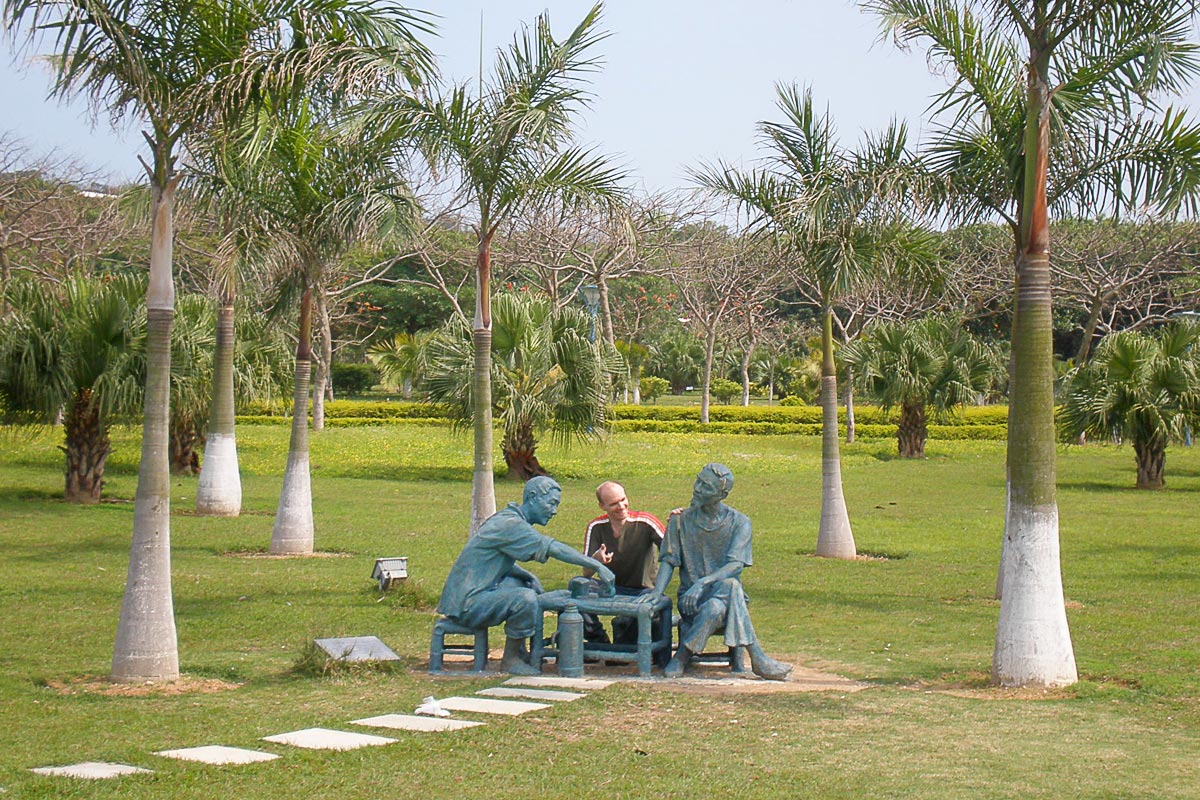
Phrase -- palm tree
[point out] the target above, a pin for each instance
(1049, 107)
(312, 192)
(401, 360)
(67, 349)
(834, 213)
(546, 373)
(509, 146)
(1142, 388)
(923, 365)
(185, 68)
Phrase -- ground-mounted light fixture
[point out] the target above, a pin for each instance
(388, 571)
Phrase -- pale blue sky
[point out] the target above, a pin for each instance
(683, 81)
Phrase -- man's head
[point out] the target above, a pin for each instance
(540, 499)
(611, 496)
(713, 484)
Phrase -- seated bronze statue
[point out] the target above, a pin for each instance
(485, 586)
(709, 543)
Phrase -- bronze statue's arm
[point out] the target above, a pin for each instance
(570, 555)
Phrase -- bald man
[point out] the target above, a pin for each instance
(627, 543)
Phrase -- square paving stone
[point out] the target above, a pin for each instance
(326, 739)
(558, 683)
(484, 706)
(532, 694)
(357, 648)
(410, 722)
(218, 754)
(92, 770)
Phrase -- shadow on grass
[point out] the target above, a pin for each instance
(1127, 488)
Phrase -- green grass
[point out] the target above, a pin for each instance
(919, 623)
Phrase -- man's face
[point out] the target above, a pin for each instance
(542, 509)
(613, 502)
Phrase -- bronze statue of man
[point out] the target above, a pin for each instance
(485, 586)
(709, 543)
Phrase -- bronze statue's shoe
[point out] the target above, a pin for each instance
(677, 665)
(518, 667)
(769, 669)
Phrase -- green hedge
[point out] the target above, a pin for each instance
(863, 415)
(976, 422)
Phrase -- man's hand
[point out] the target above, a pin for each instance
(602, 555)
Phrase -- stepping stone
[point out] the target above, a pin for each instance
(484, 706)
(218, 754)
(326, 739)
(92, 770)
(533, 694)
(409, 722)
(558, 683)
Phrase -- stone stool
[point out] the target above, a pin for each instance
(438, 647)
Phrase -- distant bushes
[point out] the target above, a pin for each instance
(976, 422)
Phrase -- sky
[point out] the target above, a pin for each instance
(683, 81)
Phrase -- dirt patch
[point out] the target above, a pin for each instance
(978, 686)
(707, 679)
(184, 684)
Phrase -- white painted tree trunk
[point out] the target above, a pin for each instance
(835, 539)
(219, 493)
(1033, 643)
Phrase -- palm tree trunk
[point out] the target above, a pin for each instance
(146, 647)
(850, 432)
(87, 447)
(324, 362)
(293, 531)
(1033, 642)
(520, 452)
(912, 431)
(483, 487)
(219, 490)
(835, 539)
(710, 345)
(1151, 462)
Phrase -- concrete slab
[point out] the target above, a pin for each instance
(550, 681)
(532, 694)
(482, 705)
(357, 648)
(91, 770)
(326, 739)
(410, 722)
(218, 754)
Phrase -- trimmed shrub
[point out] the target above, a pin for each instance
(353, 379)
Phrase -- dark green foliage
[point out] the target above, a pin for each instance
(353, 379)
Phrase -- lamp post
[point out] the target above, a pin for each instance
(589, 295)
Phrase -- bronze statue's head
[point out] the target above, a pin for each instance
(714, 483)
(540, 499)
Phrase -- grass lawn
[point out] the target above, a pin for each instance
(918, 622)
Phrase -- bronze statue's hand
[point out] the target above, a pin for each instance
(691, 599)
(606, 575)
(675, 512)
(535, 584)
(649, 597)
